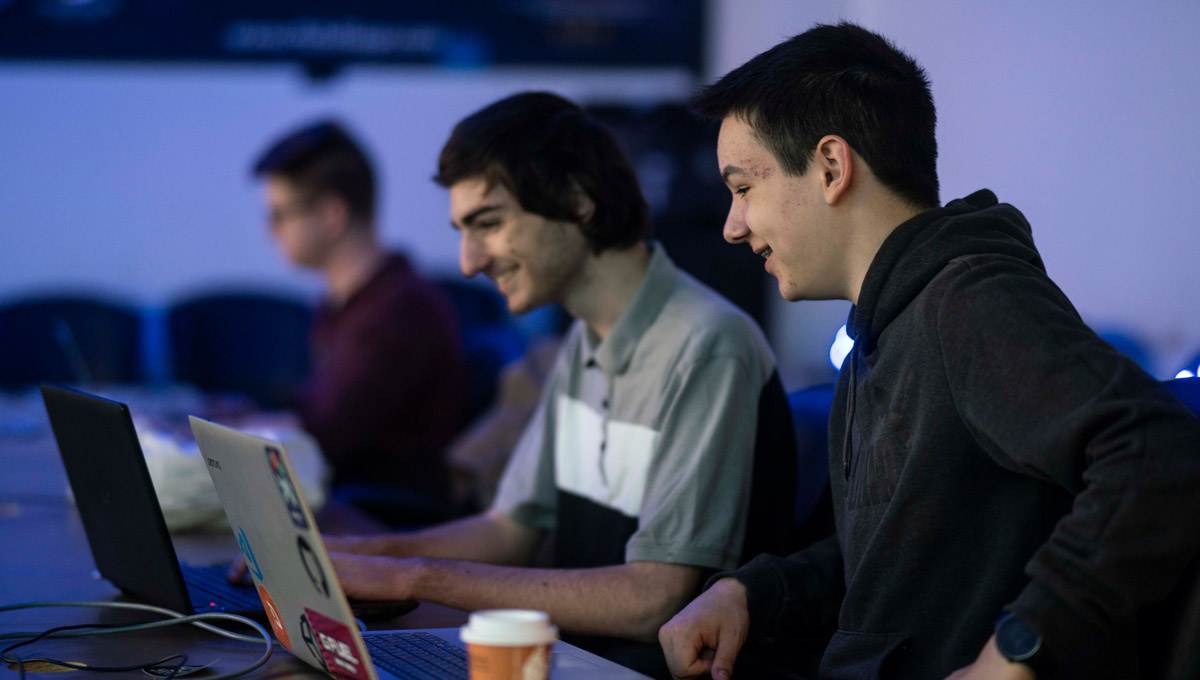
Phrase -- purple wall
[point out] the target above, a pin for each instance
(133, 179)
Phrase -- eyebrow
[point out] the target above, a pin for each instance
(731, 170)
(475, 214)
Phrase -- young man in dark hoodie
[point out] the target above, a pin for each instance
(1010, 492)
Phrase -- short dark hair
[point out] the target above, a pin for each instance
(843, 80)
(540, 147)
(320, 159)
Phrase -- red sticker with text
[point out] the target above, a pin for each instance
(337, 644)
(274, 617)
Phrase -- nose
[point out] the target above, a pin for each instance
(735, 230)
(472, 254)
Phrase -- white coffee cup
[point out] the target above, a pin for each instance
(509, 644)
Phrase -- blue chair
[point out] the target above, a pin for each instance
(476, 303)
(69, 339)
(1127, 343)
(490, 339)
(1192, 364)
(249, 343)
(1186, 390)
(813, 518)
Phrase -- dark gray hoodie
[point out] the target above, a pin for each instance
(987, 451)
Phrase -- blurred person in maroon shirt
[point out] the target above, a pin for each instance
(387, 388)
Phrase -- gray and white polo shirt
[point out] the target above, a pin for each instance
(668, 441)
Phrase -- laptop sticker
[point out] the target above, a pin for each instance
(310, 641)
(273, 616)
(337, 646)
(286, 489)
(315, 573)
(248, 553)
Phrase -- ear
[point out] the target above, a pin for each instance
(334, 214)
(582, 203)
(835, 165)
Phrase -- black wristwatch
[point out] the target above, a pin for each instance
(1020, 643)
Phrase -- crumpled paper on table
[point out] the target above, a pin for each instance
(185, 491)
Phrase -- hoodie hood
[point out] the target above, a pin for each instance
(922, 246)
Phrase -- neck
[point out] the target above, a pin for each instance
(873, 223)
(351, 264)
(606, 286)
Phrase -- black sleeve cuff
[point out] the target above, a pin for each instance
(1067, 639)
(792, 595)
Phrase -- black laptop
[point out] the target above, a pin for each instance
(124, 523)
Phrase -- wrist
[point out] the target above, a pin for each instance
(394, 545)
(370, 545)
(732, 589)
(1022, 646)
(359, 545)
(412, 577)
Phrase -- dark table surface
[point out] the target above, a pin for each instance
(44, 556)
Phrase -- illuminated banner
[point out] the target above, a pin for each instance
(460, 33)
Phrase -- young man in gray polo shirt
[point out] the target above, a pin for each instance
(662, 449)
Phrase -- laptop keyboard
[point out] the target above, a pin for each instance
(415, 655)
(210, 590)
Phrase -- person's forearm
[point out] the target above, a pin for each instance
(630, 600)
(486, 537)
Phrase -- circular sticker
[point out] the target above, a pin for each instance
(274, 617)
(309, 559)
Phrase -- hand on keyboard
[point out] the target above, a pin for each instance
(369, 577)
(240, 575)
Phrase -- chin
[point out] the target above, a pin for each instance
(524, 304)
(790, 293)
(518, 305)
(785, 292)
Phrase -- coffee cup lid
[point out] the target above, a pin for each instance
(509, 628)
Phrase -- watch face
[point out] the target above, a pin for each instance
(1015, 639)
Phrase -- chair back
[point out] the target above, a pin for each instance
(490, 339)
(1186, 390)
(813, 518)
(68, 338)
(251, 343)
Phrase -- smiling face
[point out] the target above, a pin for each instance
(782, 217)
(533, 260)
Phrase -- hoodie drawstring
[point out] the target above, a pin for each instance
(851, 401)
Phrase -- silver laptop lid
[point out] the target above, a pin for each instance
(294, 575)
(284, 552)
